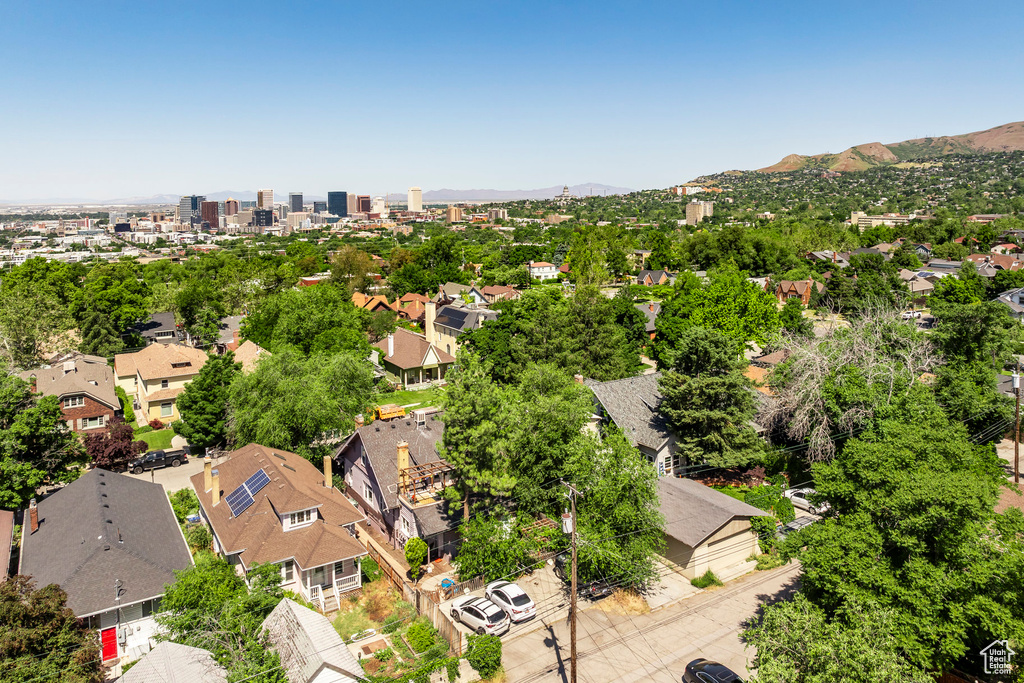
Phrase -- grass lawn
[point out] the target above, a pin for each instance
(424, 397)
(157, 440)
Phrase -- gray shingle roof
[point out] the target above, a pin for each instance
(693, 512)
(463, 319)
(84, 546)
(175, 663)
(158, 322)
(309, 644)
(650, 314)
(380, 441)
(433, 519)
(632, 404)
(88, 375)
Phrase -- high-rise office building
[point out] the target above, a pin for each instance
(319, 207)
(283, 211)
(265, 199)
(353, 204)
(415, 199)
(248, 205)
(379, 206)
(210, 212)
(190, 209)
(295, 202)
(263, 218)
(363, 203)
(231, 206)
(337, 203)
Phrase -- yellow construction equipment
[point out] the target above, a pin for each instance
(388, 411)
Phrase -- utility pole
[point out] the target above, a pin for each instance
(1016, 427)
(572, 597)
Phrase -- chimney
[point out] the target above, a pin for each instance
(207, 473)
(429, 314)
(578, 379)
(328, 479)
(32, 382)
(834, 257)
(403, 463)
(33, 516)
(359, 420)
(651, 306)
(391, 345)
(215, 486)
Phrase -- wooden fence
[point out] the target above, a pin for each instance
(397, 580)
(426, 606)
(456, 589)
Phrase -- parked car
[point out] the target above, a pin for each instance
(800, 499)
(481, 615)
(910, 315)
(512, 599)
(783, 530)
(154, 460)
(591, 590)
(706, 671)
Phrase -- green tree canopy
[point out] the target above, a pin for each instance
(320, 318)
(203, 404)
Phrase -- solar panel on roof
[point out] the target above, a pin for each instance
(257, 481)
(239, 500)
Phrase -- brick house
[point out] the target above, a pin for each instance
(84, 385)
(798, 289)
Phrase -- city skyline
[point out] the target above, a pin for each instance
(637, 97)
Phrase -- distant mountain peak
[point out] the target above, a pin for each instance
(1008, 137)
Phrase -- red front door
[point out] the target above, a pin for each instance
(108, 638)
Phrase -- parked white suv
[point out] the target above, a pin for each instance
(512, 599)
(481, 615)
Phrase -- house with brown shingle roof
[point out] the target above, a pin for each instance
(248, 354)
(500, 292)
(412, 306)
(409, 359)
(155, 376)
(269, 505)
(373, 304)
(798, 289)
(83, 384)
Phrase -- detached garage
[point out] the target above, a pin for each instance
(705, 529)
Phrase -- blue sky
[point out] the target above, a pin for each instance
(113, 99)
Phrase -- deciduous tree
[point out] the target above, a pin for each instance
(114, 448)
(204, 403)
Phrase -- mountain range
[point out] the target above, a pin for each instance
(429, 196)
(1008, 137)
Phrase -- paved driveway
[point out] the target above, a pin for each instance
(654, 646)
(174, 478)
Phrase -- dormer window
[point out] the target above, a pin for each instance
(183, 364)
(301, 518)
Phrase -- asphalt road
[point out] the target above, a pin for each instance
(174, 478)
(654, 646)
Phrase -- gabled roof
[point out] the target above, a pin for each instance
(77, 374)
(693, 512)
(632, 404)
(257, 534)
(308, 645)
(158, 322)
(227, 328)
(372, 303)
(655, 275)
(248, 354)
(101, 527)
(175, 663)
(541, 264)
(650, 311)
(463, 319)
(158, 361)
(380, 439)
(437, 518)
(455, 290)
(410, 350)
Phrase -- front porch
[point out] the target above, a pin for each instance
(324, 586)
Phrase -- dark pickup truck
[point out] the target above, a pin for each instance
(154, 460)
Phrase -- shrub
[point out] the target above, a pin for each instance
(391, 624)
(385, 655)
(452, 667)
(143, 430)
(784, 511)
(416, 552)
(184, 503)
(421, 635)
(198, 537)
(371, 570)
(768, 561)
(156, 424)
(126, 406)
(764, 527)
(484, 654)
(707, 579)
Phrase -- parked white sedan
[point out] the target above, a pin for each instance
(799, 497)
(481, 615)
(512, 599)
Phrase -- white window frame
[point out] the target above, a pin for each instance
(167, 409)
(288, 571)
(92, 422)
(367, 492)
(74, 401)
(405, 525)
(300, 518)
(164, 383)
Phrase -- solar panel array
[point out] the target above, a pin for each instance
(241, 498)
